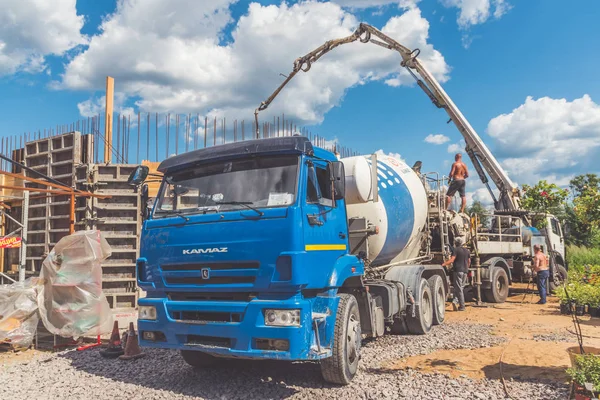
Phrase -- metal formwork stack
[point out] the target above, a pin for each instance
(118, 219)
(56, 157)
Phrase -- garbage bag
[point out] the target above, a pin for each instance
(70, 300)
(18, 313)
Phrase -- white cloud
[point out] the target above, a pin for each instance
(397, 156)
(375, 3)
(33, 29)
(475, 12)
(548, 139)
(437, 139)
(181, 64)
(95, 106)
(457, 147)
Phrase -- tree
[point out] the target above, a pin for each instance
(581, 183)
(544, 198)
(583, 216)
(482, 213)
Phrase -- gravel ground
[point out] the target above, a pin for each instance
(162, 374)
(558, 336)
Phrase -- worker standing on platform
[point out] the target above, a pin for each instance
(458, 174)
(540, 266)
(461, 261)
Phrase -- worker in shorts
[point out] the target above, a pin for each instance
(458, 174)
(461, 261)
(540, 266)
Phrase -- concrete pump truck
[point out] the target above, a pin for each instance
(276, 249)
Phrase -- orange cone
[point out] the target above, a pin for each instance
(132, 348)
(115, 348)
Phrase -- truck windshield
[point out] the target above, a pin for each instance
(258, 182)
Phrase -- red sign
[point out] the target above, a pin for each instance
(12, 242)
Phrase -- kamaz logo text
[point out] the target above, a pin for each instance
(205, 251)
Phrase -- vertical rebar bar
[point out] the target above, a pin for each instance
(137, 155)
(215, 132)
(176, 133)
(167, 129)
(205, 130)
(148, 137)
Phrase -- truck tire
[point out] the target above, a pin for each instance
(560, 276)
(439, 299)
(399, 327)
(341, 367)
(198, 359)
(498, 290)
(421, 323)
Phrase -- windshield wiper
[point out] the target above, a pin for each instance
(246, 204)
(176, 213)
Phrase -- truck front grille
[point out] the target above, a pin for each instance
(199, 317)
(213, 280)
(211, 296)
(213, 266)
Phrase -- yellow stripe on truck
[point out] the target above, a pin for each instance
(317, 247)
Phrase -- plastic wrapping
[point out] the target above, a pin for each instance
(18, 314)
(70, 299)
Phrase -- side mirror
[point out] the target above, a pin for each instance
(139, 175)
(336, 172)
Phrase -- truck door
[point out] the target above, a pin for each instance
(555, 235)
(325, 227)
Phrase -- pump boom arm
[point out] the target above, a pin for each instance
(478, 152)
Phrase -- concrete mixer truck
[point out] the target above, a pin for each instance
(276, 249)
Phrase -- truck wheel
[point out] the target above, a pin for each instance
(198, 359)
(399, 327)
(439, 299)
(560, 276)
(341, 367)
(423, 319)
(498, 291)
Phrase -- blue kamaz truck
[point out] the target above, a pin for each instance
(275, 249)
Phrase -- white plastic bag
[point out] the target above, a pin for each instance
(70, 300)
(18, 314)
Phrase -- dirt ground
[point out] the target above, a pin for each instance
(520, 320)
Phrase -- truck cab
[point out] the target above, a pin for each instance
(244, 251)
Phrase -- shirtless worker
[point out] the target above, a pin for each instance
(540, 266)
(458, 174)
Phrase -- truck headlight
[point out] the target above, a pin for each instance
(282, 317)
(147, 312)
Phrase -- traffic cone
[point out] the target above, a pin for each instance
(132, 348)
(115, 348)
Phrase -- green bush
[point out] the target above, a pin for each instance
(583, 287)
(587, 370)
(577, 256)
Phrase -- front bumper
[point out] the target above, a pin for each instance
(238, 339)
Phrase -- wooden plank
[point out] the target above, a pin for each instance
(108, 119)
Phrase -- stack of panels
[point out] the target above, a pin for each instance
(118, 218)
(49, 219)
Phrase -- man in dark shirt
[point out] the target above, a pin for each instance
(461, 260)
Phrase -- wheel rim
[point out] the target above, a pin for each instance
(426, 308)
(440, 302)
(353, 339)
(501, 285)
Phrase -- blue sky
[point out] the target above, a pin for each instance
(493, 57)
